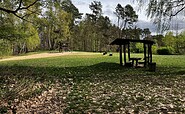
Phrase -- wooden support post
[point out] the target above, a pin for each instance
(124, 54)
(150, 50)
(145, 59)
(148, 53)
(129, 51)
(120, 55)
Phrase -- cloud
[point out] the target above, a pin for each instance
(78, 2)
(177, 24)
(109, 9)
(146, 24)
(83, 6)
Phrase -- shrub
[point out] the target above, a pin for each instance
(165, 51)
(154, 49)
(139, 48)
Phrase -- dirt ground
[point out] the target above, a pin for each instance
(44, 55)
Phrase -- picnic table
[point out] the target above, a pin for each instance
(135, 59)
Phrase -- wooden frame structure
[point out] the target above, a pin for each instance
(125, 44)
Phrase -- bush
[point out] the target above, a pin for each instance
(165, 51)
(139, 48)
(154, 49)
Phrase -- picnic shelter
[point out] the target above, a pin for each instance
(124, 44)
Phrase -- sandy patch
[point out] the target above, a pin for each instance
(45, 55)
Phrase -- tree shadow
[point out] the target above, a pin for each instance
(98, 73)
(101, 71)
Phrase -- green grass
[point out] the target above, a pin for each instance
(97, 84)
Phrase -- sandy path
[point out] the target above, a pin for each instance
(44, 55)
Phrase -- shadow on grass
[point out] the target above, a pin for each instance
(50, 73)
(102, 71)
(15, 78)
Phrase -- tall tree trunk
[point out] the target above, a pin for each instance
(84, 45)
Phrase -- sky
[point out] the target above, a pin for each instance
(109, 9)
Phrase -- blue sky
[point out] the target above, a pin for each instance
(109, 7)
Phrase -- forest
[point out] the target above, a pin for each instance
(46, 25)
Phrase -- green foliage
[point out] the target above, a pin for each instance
(175, 42)
(169, 39)
(154, 49)
(94, 32)
(158, 40)
(33, 41)
(63, 21)
(9, 30)
(127, 15)
(96, 8)
(55, 26)
(165, 51)
(139, 48)
(69, 7)
(5, 48)
(180, 43)
(146, 33)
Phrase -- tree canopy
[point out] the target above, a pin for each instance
(126, 16)
(53, 22)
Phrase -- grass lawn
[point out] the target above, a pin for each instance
(85, 84)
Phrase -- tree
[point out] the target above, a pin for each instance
(127, 15)
(93, 33)
(159, 40)
(5, 47)
(54, 25)
(169, 40)
(103, 28)
(120, 14)
(28, 43)
(94, 19)
(18, 35)
(146, 33)
(69, 7)
(96, 8)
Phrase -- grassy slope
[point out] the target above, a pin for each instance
(96, 83)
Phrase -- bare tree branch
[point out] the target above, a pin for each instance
(7, 10)
(19, 8)
(22, 17)
(178, 11)
(27, 7)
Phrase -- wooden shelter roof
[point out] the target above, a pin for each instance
(120, 41)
